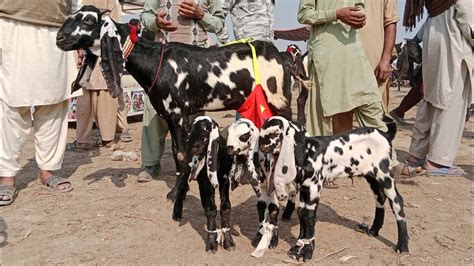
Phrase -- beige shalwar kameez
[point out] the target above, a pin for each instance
(448, 81)
(96, 104)
(342, 75)
(36, 77)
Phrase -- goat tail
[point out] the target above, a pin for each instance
(391, 126)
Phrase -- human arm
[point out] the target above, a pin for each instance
(211, 21)
(308, 14)
(153, 21)
(383, 69)
(464, 17)
(223, 35)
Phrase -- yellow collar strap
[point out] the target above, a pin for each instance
(254, 56)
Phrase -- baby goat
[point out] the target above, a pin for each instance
(249, 163)
(208, 159)
(180, 79)
(312, 161)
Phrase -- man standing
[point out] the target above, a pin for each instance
(185, 21)
(448, 43)
(33, 76)
(339, 68)
(250, 19)
(378, 37)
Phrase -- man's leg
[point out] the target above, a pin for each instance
(316, 124)
(106, 114)
(154, 133)
(50, 126)
(122, 122)
(15, 124)
(342, 122)
(447, 125)
(84, 118)
(420, 140)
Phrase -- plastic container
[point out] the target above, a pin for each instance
(124, 156)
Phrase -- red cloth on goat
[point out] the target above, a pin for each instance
(255, 107)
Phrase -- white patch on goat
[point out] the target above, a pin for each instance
(213, 105)
(167, 101)
(199, 67)
(186, 103)
(181, 75)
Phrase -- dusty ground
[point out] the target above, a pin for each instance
(109, 218)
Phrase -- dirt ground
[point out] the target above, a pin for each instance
(109, 218)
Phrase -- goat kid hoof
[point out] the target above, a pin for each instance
(177, 217)
(305, 252)
(256, 239)
(273, 240)
(228, 243)
(363, 228)
(171, 195)
(402, 248)
(211, 243)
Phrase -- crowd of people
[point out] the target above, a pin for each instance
(350, 50)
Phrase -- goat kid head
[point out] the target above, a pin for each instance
(298, 68)
(94, 31)
(282, 139)
(241, 143)
(203, 145)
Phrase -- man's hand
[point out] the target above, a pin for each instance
(383, 70)
(190, 9)
(164, 24)
(351, 16)
(80, 58)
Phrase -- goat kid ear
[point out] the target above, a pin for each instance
(84, 73)
(285, 169)
(212, 155)
(112, 63)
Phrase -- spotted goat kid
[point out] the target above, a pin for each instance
(312, 161)
(179, 79)
(251, 166)
(206, 155)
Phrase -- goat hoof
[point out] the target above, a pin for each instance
(402, 248)
(171, 195)
(228, 243)
(304, 252)
(274, 240)
(363, 228)
(177, 216)
(256, 239)
(211, 243)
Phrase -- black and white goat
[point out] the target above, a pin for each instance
(209, 162)
(179, 79)
(249, 163)
(312, 161)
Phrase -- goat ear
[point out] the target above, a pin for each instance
(212, 154)
(112, 63)
(84, 74)
(253, 160)
(285, 169)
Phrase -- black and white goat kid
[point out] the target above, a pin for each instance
(179, 79)
(210, 165)
(249, 164)
(312, 161)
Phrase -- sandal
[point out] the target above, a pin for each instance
(9, 191)
(125, 136)
(445, 171)
(76, 146)
(412, 171)
(53, 182)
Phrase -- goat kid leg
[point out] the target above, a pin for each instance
(380, 198)
(290, 205)
(224, 186)
(396, 203)
(309, 202)
(261, 209)
(273, 211)
(301, 103)
(207, 193)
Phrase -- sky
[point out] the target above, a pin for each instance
(285, 18)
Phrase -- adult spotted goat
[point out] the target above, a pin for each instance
(179, 79)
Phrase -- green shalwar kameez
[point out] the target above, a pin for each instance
(340, 70)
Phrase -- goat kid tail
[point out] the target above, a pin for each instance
(391, 126)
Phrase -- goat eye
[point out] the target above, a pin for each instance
(245, 137)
